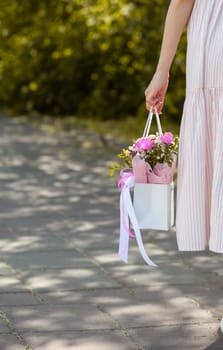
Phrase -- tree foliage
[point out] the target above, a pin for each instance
(83, 57)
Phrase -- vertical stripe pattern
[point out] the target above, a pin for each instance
(199, 212)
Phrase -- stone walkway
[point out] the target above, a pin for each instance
(62, 285)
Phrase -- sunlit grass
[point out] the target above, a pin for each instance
(125, 130)
(129, 129)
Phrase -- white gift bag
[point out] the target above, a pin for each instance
(154, 205)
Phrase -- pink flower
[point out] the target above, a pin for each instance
(144, 144)
(167, 137)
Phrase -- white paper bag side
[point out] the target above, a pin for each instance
(154, 205)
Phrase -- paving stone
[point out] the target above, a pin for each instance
(186, 337)
(4, 268)
(168, 272)
(110, 251)
(173, 311)
(44, 318)
(9, 283)
(106, 340)
(29, 241)
(163, 239)
(12, 299)
(116, 296)
(66, 279)
(209, 297)
(157, 292)
(3, 328)
(208, 263)
(43, 260)
(36, 219)
(97, 296)
(9, 342)
(98, 242)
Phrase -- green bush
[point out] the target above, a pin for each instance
(83, 57)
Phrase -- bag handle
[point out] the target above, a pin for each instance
(149, 121)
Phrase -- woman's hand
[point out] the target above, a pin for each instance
(156, 91)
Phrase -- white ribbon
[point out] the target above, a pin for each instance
(127, 215)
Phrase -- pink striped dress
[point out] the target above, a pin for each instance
(199, 211)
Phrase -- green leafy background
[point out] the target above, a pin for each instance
(87, 58)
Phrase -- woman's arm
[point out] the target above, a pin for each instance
(177, 17)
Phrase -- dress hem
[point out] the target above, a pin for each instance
(217, 251)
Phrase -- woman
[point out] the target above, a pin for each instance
(199, 215)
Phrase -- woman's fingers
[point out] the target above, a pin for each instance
(156, 91)
(159, 107)
(154, 102)
(155, 108)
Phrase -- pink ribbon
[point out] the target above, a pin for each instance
(125, 174)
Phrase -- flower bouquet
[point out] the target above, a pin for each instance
(152, 158)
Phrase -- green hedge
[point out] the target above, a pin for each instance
(83, 57)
